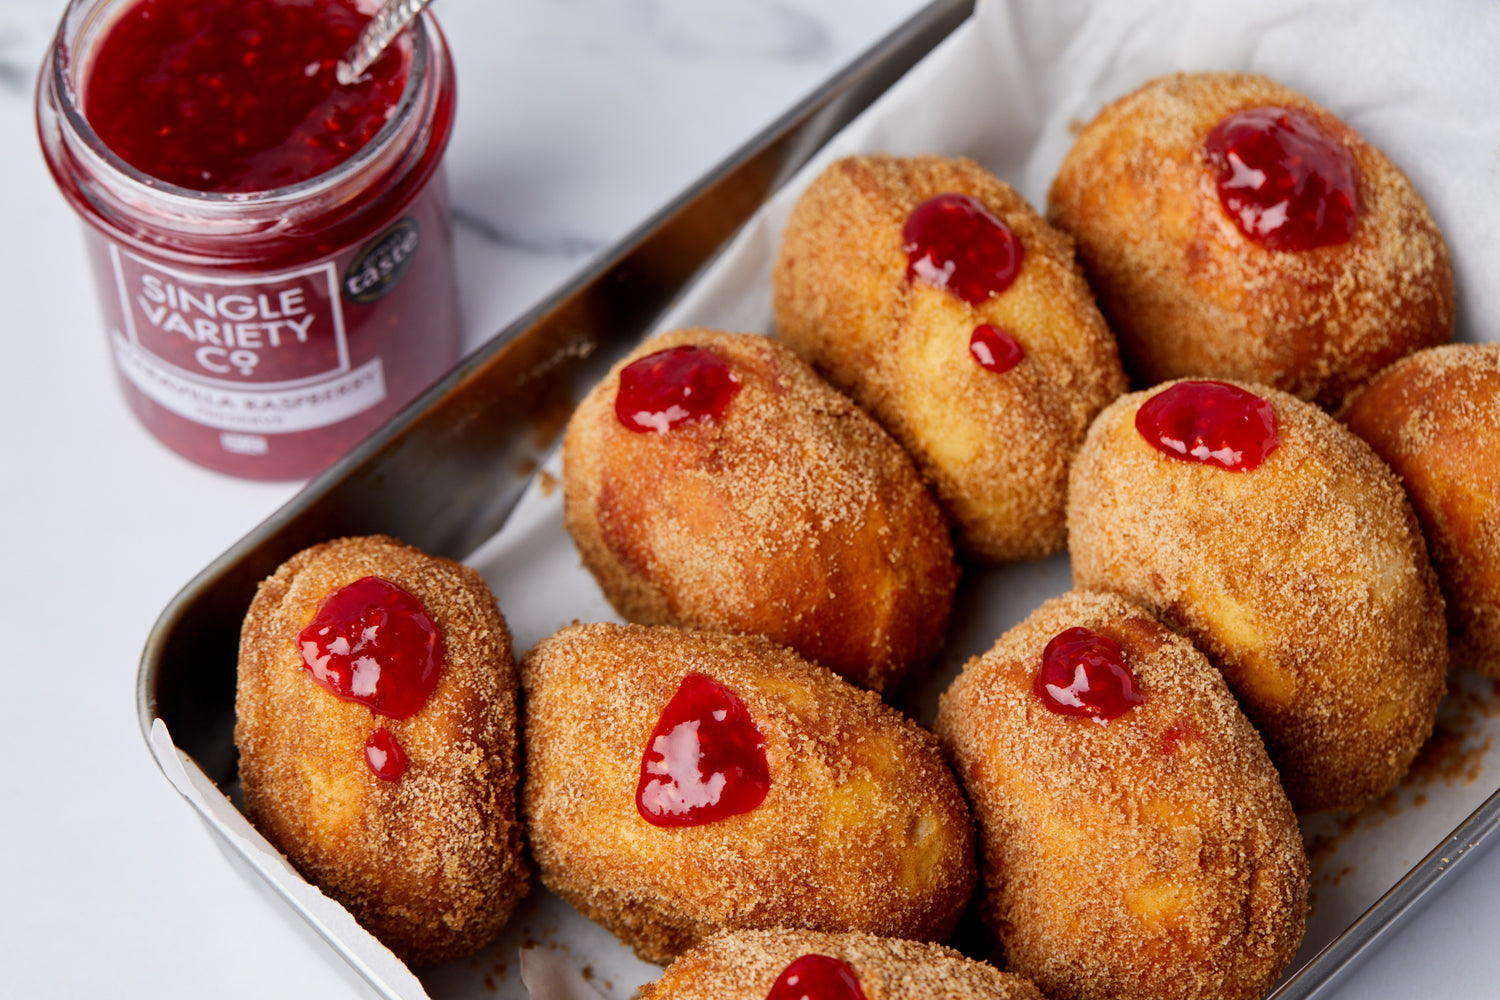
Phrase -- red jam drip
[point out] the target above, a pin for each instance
(236, 95)
(705, 760)
(816, 977)
(1178, 734)
(995, 349)
(671, 387)
(1284, 182)
(954, 243)
(384, 756)
(1085, 673)
(373, 643)
(1210, 422)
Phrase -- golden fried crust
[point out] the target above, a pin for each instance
(1435, 419)
(1155, 856)
(793, 516)
(995, 447)
(863, 828)
(1188, 294)
(431, 864)
(1305, 580)
(744, 965)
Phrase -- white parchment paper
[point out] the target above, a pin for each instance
(1419, 80)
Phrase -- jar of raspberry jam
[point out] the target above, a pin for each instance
(271, 251)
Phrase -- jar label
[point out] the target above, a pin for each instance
(265, 354)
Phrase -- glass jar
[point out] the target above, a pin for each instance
(262, 334)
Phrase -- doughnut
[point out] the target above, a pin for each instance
(779, 509)
(937, 298)
(1435, 418)
(1234, 229)
(376, 728)
(1135, 841)
(1265, 531)
(788, 964)
(681, 782)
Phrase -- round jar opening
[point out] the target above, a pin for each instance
(146, 70)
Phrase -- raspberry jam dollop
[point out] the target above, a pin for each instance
(995, 349)
(816, 977)
(384, 756)
(670, 387)
(1209, 422)
(1085, 673)
(373, 643)
(953, 242)
(705, 760)
(236, 95)
(1284, 182)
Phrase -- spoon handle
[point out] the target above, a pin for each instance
(389, 21)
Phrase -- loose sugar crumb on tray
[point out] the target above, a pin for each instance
(1455, 755)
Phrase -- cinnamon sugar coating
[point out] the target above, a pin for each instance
(1188, 294)
(1154, 856)
(793, 516)
(863, 827)
(994, 446)
(431, 864)
(1435, 419)
(1305, 580)
(744, 965)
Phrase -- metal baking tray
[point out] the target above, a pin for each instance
(447, 471)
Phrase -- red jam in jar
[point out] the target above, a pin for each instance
(1284, 182)
(816, 977)
(272, 251)
(1213, 423)
(384, 756)
(669, 388)
(375, 644)
(1084, 673)
(236, 95)
(995, 349)
(705, 760)
(953, 242)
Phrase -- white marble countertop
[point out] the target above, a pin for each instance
(577, 119)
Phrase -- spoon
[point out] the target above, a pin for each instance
(389, 21)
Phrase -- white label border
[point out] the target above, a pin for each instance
(335, 300)
(280, 409)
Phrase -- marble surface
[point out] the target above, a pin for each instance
(577, 119)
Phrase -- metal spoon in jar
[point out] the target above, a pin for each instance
(389, 21)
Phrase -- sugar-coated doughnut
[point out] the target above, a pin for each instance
(1189, 293)
(859, 826)
(1435, 418)
(428, 857)
(1141, 853)
(789, 514)
(873, 285)
(749, 965)
(1304, 578)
